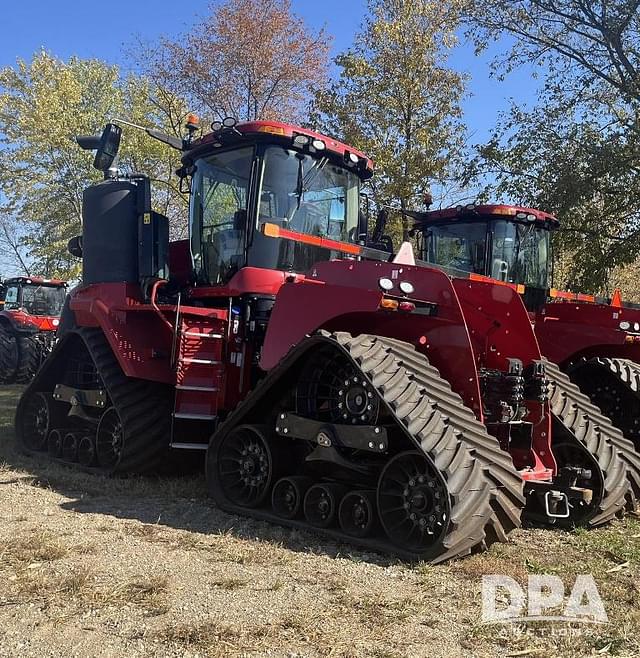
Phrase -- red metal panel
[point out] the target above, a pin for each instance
(350, 302)
(568, 331)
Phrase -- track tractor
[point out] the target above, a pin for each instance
(595, 341)
(29, 318)
(330, 386)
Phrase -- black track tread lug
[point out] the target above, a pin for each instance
(486, 499)
(626, 373)
(143, 407)
(30, 353)
(593, 431)
(8, 356)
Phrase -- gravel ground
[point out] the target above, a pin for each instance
(91, 566)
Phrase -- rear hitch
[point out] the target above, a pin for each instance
(548, 502)
(556, 504)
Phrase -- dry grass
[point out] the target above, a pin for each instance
(149, 567)
(33, 548)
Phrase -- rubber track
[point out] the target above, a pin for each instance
(8, 356)
(29, 358)
(486, 497)
(143, 406)
(627, 373)
(595, 432)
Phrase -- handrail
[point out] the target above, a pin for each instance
(154, 305)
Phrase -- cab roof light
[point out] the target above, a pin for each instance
(273, 130)
(301, 140)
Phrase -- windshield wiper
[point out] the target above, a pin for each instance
(300, 182)
(305, 180)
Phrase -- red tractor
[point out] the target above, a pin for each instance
(29, 318)
(595, 341)
(379, 401)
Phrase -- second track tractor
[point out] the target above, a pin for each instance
(29, 318)
(595, 341)
(379, 401)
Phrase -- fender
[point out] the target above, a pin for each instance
(347, 295)
(568, 331)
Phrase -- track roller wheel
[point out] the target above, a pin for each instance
(288, 494)
(245, 466)
(70, 447)
(37, 420)
(109, 438)
(54, 443)
(86, 451)
(357, 513)
(321, 504)
(413, 502)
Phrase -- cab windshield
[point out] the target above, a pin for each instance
(520, 254)
(506, 251)
(307, 195)
(35, 299)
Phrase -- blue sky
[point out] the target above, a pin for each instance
(90, 29)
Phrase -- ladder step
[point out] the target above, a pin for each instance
(205, 389)
(206, 362)
(189, 446)
(198, 334)
(179, 414)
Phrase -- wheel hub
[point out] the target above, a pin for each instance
(333, 389)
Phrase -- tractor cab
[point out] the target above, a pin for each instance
(506, 243)
(265, 175)
(35, 296)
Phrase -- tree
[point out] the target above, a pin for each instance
(43, 105)
(576, 152)
(396, 100)
(250, 59)
(13, 259)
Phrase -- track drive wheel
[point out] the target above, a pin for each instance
(37, 421)
(413, 502)
(245, 466)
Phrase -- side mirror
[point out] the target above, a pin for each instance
(74, 246)
(106, 146)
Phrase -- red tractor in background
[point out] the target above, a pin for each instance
(29, 318)
(380, 401)
(595, 341)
